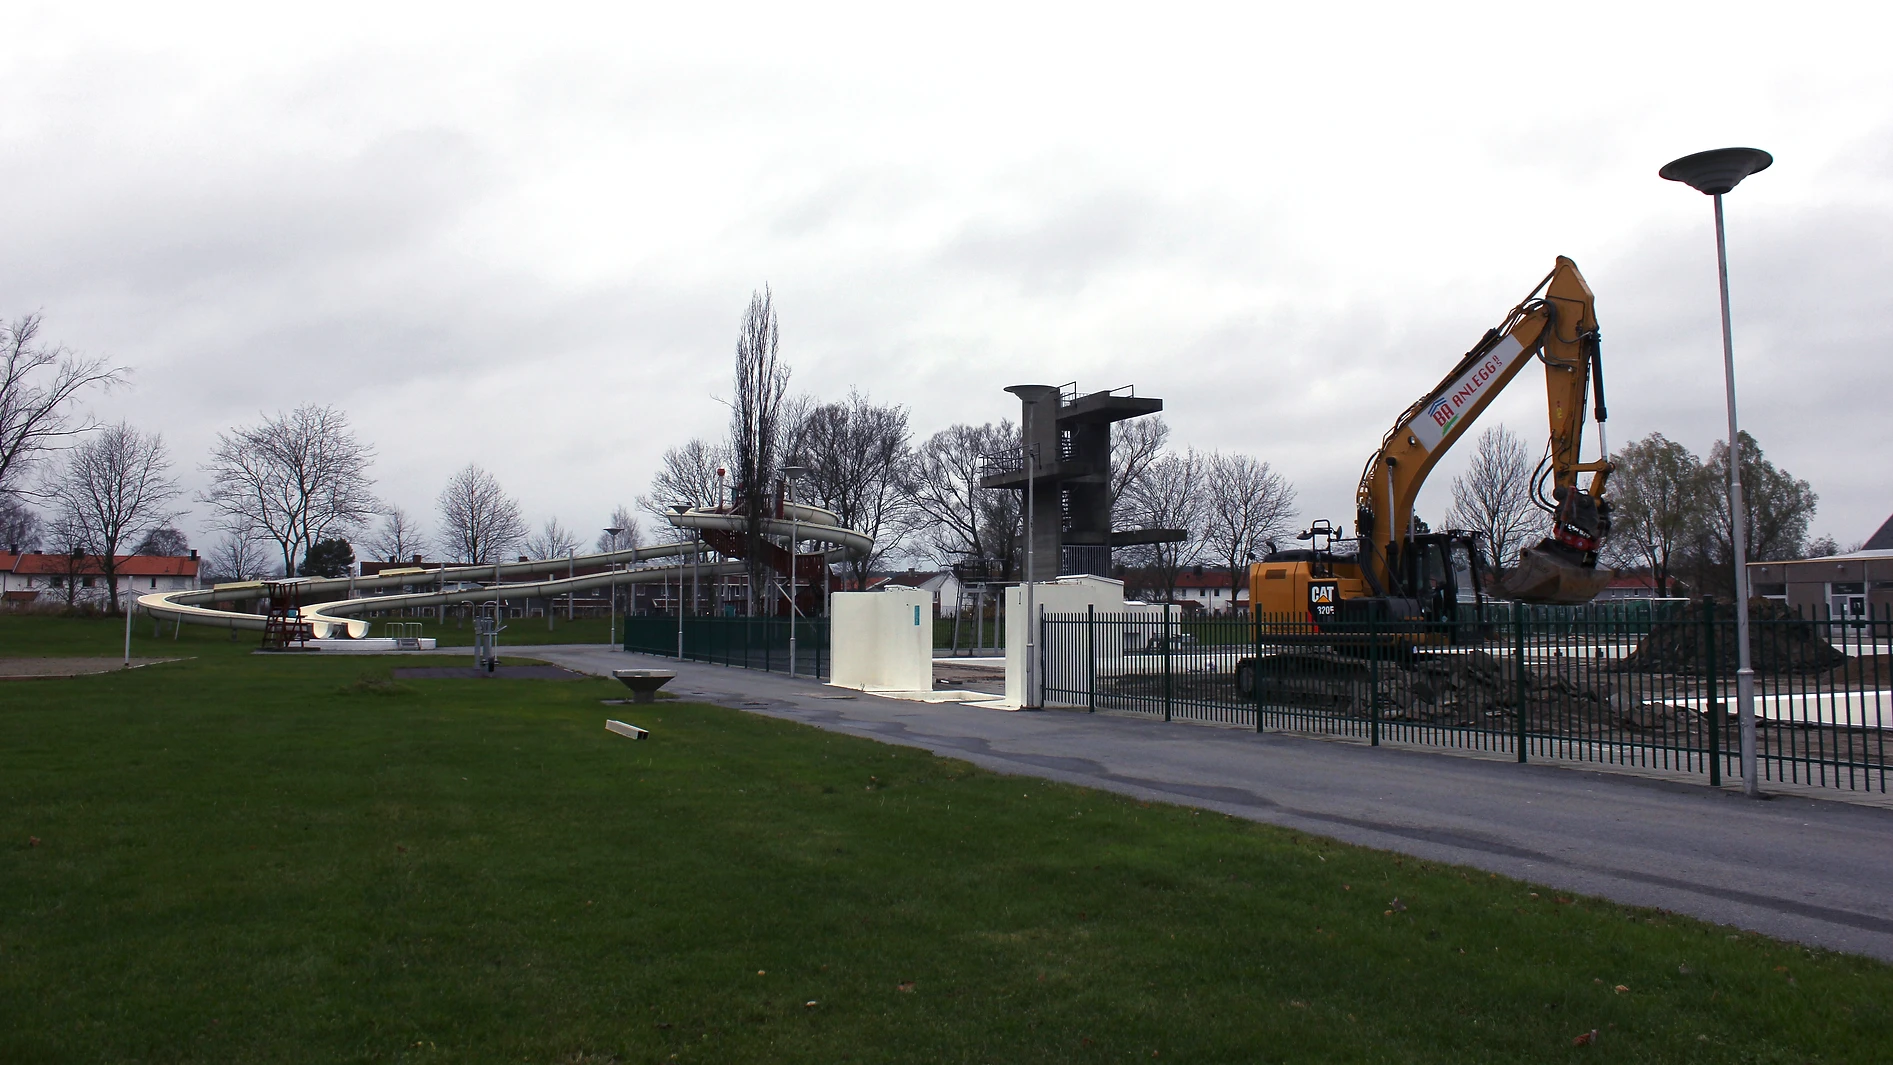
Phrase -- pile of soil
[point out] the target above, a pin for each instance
(1475, 688)
(1782, 642)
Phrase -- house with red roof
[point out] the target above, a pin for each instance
(31, 578)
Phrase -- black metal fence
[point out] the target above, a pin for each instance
(753, 643)
(1651, 689)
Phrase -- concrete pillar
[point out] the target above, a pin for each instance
(1038, 435)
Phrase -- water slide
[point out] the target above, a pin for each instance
(331, 617)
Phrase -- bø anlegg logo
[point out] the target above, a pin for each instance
(1441, 412)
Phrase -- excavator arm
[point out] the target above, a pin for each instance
(1560, 329)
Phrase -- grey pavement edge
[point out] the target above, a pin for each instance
(1806, 870)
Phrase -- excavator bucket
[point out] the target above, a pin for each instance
(1545, 574)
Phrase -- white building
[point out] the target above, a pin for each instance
(32, 578)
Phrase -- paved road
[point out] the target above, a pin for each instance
(1817, 872)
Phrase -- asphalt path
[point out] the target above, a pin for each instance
(1813, 871)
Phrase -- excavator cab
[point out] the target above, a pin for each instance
(1445, 574)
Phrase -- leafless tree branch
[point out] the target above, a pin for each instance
(479, 521)
(297, 478)
(112, 488)
(38, 385)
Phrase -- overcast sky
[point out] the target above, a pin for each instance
(524, 237)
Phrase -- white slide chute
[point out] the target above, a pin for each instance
(330, 618)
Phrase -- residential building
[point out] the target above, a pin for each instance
(1206, 588)
(942, 585)
(31, 578)
(1637, 584)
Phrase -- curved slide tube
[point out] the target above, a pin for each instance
(798, 519)
(331, 618)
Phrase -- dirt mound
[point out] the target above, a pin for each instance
(1779, 641)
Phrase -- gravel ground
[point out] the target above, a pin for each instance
(30, 668)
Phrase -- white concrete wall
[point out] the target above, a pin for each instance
(1066, 595)
(881, 640)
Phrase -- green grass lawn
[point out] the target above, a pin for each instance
(287, 858)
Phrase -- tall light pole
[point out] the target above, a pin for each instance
(1714, 173)
(793, 476)
(611, 589)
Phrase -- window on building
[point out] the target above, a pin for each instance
(88, 582)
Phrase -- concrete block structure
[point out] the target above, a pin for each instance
(1066, 595)
(882, 640)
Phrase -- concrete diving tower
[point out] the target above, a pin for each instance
(1064, 464)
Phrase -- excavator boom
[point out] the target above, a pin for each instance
(1560, 329)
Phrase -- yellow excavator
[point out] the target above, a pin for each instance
(1404, 578)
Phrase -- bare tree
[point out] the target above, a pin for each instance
(1247, 504)
(1660, 495)
(398, 537)
(113, 488)
(960, 520)
(1135, 445)
(241, 555)
(163, 542)
(857, 456)
(686, 475)
(38, 385)
(296, 478)
(756, 427)
(71, 541)
(478, 520)
(1171, 494)
(629, 535)
(1493, 498)
(553, 540)
(20, 527)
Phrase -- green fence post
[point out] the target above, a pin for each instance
(1373, 680)
(1043, 625)
(1091, 658)
(1166, 661)
(1524, 679)
(1712, 705)
(1255, 670)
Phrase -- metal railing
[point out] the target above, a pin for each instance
(752, 643)
(1617, 687)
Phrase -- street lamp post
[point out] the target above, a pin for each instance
(1714, 173)
(611, 590)
(793, 476)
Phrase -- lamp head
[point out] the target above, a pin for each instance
(1715, 172)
